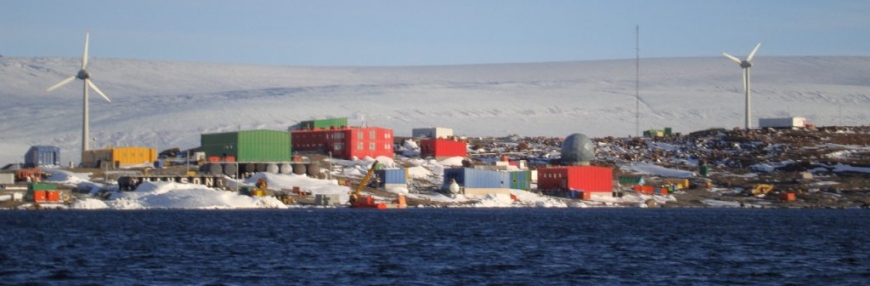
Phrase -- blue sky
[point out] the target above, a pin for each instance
(381, 33)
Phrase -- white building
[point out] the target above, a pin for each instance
(783, 123)
(434, 132)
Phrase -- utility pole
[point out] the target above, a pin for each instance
(637, 80)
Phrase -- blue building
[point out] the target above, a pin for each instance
(39, 156)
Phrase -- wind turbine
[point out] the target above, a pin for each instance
(745, 64)
(85, 76)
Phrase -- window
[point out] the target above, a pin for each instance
(338, 146)
(387, 135)
(372, 134)
(386, 146)
(359, 146)
(359, 134)
(372, 146)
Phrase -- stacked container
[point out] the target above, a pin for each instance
(42, 193)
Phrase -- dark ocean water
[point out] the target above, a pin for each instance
(436, 247)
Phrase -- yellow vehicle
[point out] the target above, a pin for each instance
(762, 189)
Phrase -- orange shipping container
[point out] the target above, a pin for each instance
(789, 197)
(39, 196)
(52, 196)
(644, 189)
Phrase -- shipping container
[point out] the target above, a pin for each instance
(40, 187)
(787, 123)
(38, 156)
(476, 178)
(681, 183)
(392, 176)
(39, 196)
(644, 189)
(521, 180)
(587, 178)
(788, 197)
(443, 148)
(7, 178)
(52, 196)
(631, 180)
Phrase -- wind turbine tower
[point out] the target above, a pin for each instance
(85, 76)
(746, 64)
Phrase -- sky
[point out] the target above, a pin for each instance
(408, 33)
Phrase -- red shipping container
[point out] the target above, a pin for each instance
(585, 178)
(443, 148)
(644, 189)
(52, 196)
(789, 197)
(39, 196)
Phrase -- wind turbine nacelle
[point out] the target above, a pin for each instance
(83, 74)
(745, 64)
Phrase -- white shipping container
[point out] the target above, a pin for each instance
(7, 179)
(788, 122)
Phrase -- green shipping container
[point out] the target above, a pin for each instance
(521, 180)
(249, 145)
(40, 187)
(668, 131)
(630, 180)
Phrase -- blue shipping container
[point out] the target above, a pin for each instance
(392, 176)
(475, 178)
(39, 156)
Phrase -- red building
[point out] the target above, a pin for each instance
(345, 142)
(443, 148)
(589, 179)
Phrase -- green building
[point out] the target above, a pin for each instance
(329, 123)
(249, 145)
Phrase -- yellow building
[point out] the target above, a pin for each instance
(119, 157)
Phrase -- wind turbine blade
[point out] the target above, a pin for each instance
(62, 83)
(94, 86)
(85, 55)
(752, 54)
(733, 58)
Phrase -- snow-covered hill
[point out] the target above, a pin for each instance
(168, 104)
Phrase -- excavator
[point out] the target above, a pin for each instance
(357, 200)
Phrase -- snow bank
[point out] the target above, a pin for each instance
(169, 195)
(68, 178)
(280, 182)
(89, 204)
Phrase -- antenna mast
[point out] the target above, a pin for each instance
(637, 80)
